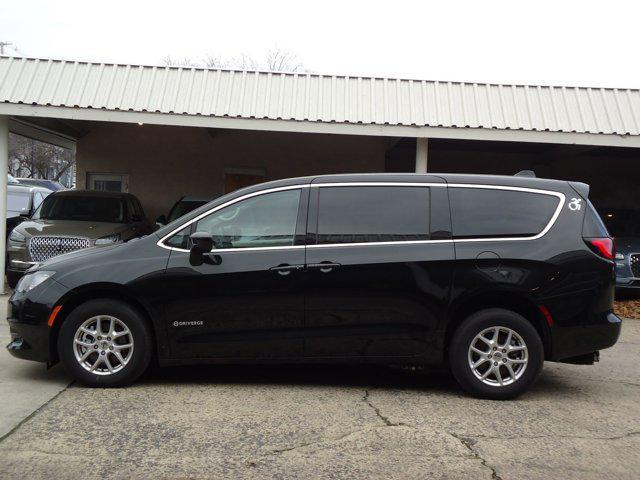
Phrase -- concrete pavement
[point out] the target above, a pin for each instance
(578, 422)
(25, 386)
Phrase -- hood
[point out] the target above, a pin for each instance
(77, 254)
(627, 244)
(87, 258)
(73, 228)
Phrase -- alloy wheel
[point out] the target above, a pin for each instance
(498, 356)
(103, 345)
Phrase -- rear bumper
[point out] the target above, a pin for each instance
(572, 341)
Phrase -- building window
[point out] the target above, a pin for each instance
(108, 182)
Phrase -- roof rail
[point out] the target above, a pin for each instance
(526, 173)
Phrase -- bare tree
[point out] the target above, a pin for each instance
(35, 159)
(179, 62)
(276, 60)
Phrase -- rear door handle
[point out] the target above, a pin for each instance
(286, 269)
(324, 267)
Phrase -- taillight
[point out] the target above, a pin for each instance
(602, 246)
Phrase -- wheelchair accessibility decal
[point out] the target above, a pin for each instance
(575, 204)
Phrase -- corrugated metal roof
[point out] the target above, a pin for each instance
(311, 97)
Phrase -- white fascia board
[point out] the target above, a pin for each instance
(42, 134)
(319, 127)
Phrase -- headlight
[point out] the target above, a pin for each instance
(619, 256)
(32, 280)
(17, 237)
(109, 239)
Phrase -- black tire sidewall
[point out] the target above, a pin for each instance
(466, 332)
(140, 331)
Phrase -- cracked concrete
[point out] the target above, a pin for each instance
(469, 443)
(384, 419)
(577, 422)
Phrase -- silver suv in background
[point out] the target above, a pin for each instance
(70, 220)
(22, 201)
(52, 185)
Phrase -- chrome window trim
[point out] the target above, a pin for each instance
(161, 244)
(561, 201)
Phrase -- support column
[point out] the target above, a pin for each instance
(4, 169)
(422, 154)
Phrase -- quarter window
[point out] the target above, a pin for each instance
(267, 220)
(486, 213)
(373, 214)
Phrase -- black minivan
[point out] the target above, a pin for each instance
(491, 275)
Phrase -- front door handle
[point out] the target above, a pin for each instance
(324, 267)
(286, 269)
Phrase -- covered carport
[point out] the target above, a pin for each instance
(164, 132)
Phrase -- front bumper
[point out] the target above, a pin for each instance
(627, 282)
(18, 260)
(573, 341)
(29, 342)
(31, 337)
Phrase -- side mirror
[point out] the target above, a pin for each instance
(201, 250)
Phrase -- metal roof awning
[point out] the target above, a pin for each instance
(306, 102)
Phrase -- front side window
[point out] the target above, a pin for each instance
(267, 220)
(487, 213)
(373, 214)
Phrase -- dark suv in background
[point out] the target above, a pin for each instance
(624, 225)
(490, 275)
(69, 220)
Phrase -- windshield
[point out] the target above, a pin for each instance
(82, 208)
(18, 201)
(183, 207)
(622, 223)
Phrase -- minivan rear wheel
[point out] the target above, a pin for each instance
(496, 354)
(105, 343)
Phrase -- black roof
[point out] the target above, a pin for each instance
(504, 180)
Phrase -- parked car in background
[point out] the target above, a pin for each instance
(22, 202)
(42, 182)
(70, 220)
(182, 207)
(490, 275)
(624, 226)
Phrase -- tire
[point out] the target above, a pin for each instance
(116, 373)
(13, 279)
(505, 384)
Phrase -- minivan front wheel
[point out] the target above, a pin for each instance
(496, 353)
(105, 343)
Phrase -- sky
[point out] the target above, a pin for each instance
(561, 42)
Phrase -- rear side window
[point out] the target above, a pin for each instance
(593, 227)
(486, 213)
(372, 214)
